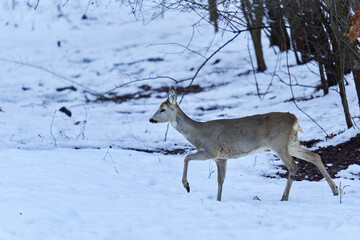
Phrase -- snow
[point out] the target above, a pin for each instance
(77, 194)
(72, 178)
(351, 172)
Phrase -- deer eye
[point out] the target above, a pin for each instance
(162, 110)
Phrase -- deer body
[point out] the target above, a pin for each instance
(232, 138)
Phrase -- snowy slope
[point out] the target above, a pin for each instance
(59, 178)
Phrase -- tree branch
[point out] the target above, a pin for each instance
(292, 93)
(207, 59)
(89, 90)
(145, 79)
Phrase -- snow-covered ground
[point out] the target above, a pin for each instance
(72, 178)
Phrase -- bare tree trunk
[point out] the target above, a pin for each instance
(340, 76)
(337, 42)
(278, 34)
(254, 14)
(213, 13)
(324, 84)
(297, 29)
(356, 74)
(256, 37)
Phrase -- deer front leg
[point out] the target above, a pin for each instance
(221, 170)
(199, 155)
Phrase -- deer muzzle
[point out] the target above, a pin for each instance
(152, 120)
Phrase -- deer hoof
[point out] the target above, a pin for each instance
(187, 187)
(283, 199)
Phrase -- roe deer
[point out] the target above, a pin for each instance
(224, 139)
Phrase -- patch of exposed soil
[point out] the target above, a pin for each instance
(212, 108)
(299, 99)
(335, 159)
(145, 91)
(175, 151)
(310, 143)
(152, 59)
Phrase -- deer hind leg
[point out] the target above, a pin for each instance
(221, 171)
(285, 156)
(199, 155)
(298, 151)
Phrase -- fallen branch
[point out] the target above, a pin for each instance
(89, 90)
(180, 45)
(145, 79)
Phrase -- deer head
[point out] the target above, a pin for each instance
(167, 109)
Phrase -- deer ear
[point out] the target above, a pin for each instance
(172, 95)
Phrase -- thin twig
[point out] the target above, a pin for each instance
(211, 170)
(253, 69)
(34, 7)
(88, 5)
(191, 38)
(146, 79)
(89, 90)
(106, 154)
(207, 59)
(83, 127)
(342, 191)
(51, 126)
(166, 133)
(178, 44)
(37, 4)
(65, 3)
(292, 93)
(112, 160)
(198, 70)
(272, 77)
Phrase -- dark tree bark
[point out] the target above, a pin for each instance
(254, 13)
(356, 73)
(278, 34)
(256, 37)
(297, 29)
(336, 11)
(324, 85)
(213, 13)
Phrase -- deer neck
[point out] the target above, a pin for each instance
(184, 124)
